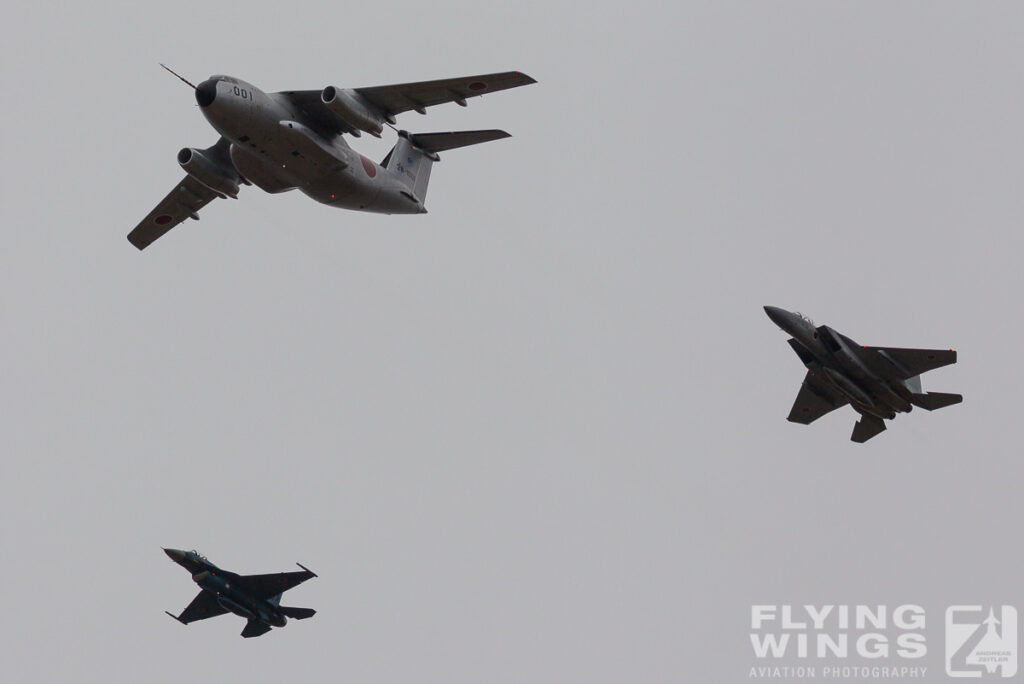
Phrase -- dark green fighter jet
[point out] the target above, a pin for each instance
(254, 597)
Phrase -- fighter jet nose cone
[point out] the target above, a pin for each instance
(206, 93)
(780, 317)
(175, 555)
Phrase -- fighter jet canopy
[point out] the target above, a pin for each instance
(806, 318)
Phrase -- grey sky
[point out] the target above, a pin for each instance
(538, 434)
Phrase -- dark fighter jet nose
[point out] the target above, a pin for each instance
(774, 313)
(175, 555)
(782, 318)
(206, 92)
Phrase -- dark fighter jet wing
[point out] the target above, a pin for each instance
(203, 606)
(814, 400)
(911, 362)
(266, 586)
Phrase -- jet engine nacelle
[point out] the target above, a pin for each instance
(213, 175)
(236, 608)
(350, 107)
(848, 387)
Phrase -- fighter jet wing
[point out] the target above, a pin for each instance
(814, 400)
(266, 586)
(183, 202)
(254, 628)
(203, 606)
(911, 362)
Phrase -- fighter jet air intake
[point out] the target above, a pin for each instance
(877, 382)
(294, 139)
(257, 598)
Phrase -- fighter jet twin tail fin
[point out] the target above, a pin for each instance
(869, 426)
(866, 428)
(255, 628)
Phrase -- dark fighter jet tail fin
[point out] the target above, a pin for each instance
(255, 628)
(930, 401)
(297, 613)
(866, 428)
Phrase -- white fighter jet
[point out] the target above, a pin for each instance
(294, 139)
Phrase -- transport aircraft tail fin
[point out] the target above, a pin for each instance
(414, 153)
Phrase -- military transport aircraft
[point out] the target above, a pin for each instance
(254, 597)
(293, 139)
(876, 381)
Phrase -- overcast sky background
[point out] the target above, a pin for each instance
(538, 434)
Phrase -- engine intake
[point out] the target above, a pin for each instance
(212, 174)
(351, 108)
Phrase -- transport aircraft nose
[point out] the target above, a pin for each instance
(206, 92)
